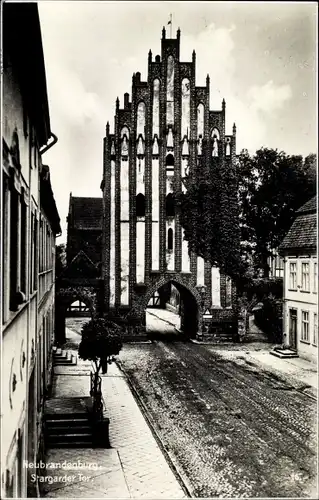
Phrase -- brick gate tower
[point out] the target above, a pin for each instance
(159, 136)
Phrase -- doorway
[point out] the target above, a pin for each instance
(293, 317)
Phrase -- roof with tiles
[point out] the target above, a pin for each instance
(303, 232)
(86, 213)
(309, 206)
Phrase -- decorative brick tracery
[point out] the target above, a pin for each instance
(169, 264)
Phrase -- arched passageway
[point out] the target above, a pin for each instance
(172, 312)
(72, 302)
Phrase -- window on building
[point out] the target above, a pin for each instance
(154, 300)
(140, 205)
(315, 329)
(186, 96)
(156, 95)
(305, 326)
(78, 306)
(293, 276)
(170, 239)
(15, 150)
(20, 458)
(5, 247)
(200, 120)
(31, 285)
(49, 254)
(41, 256)
(35, 247)
(125, 141)
(215, 141)
(279, 270)
(305, 281)
(170, 205)
(25, 120)
(23, 246)
(39, 370)
(46, 242)
(36, 151)
(14, 228)
(315, 277)
(169, 162)
(170, 91)
(140, 120)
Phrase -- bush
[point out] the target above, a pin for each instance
(269, 318)
(263, 288)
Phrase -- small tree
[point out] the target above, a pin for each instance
(101, 340)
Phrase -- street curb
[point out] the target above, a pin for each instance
(309, 392)
(211, 342)
(184, 483)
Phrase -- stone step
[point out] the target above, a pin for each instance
(285, 353)
(72, 360)
(66, 417)
(67, 438)
(52, 430)
(56, 421)
(64, 363)
(74, 444)
(63, 355)
(60, 353)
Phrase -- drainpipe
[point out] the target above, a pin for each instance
(44, 150)
(48, 146)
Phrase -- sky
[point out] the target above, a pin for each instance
(261, 57)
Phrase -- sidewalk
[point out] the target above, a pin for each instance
(134, 467)
(298, 372)
(302, 370)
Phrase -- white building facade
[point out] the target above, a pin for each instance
(299, 249)
(30, 223)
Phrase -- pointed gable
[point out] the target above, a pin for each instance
(81, 266)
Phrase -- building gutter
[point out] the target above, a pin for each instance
(48, 146)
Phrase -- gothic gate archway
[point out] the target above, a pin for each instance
(190, 307)
(66, 294)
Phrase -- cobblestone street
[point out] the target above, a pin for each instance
(235, 430)
(231, 426)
